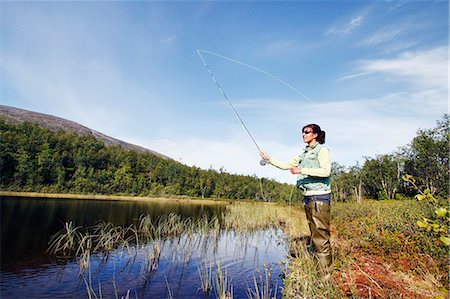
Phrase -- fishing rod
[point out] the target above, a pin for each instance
(263, 161)
(199, 52)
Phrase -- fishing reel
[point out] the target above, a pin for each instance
(263, 162)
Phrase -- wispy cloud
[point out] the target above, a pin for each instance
(394, 5)
(168, 40)
(348, 26)
(396, 37)
(353, 76)
(385, 34)
(422, 69)
(428, 68)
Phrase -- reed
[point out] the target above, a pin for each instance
(263, 287)
(90, 289)
(152, 257)
(205, 274)
(222, 284)
(92, 293)
(169, 292)
(66, 240)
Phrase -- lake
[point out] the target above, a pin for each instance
(227, 248)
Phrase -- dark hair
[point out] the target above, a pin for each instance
(316, 130)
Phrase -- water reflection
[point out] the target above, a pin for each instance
(244, 257)
(28, 223)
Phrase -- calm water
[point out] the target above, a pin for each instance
(28, 271)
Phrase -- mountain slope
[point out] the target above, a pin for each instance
(54, 123)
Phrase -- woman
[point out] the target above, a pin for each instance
(313, 167)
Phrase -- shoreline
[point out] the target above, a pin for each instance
(110, 197)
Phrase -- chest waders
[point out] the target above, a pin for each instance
(317, 209)
(318, 216)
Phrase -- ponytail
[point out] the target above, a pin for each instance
(321, 137)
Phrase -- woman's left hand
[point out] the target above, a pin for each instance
(296, 170)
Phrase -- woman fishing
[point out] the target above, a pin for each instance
(313, 167)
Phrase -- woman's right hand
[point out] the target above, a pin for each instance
(264, 156)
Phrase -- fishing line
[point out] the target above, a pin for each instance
(256, 69)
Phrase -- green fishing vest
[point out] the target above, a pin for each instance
(309, 159)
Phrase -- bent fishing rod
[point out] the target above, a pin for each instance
(263, 161)
(199, 52)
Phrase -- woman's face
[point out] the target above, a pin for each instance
(308, 135)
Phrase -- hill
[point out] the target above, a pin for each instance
(46, 154)
(54, 123)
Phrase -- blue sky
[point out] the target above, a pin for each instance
(374, 73)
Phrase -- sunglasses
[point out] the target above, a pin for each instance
(307, 132)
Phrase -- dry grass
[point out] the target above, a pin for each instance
(251, 216)
(110, 197)
(381, 252)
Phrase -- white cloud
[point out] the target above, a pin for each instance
(379, 126)
(427, 68)
(422, 69)
(236, 154)
(348, 26)
(385, 35)
(352, 76)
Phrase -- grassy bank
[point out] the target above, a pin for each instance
(379, 252)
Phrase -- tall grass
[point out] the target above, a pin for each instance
(66, 240)
(222, 284)
(92, 293)
(253, 216)
(205, 274)
(303, 279)
(263, 287)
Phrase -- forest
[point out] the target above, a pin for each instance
(36, 159)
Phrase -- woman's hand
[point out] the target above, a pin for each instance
(296, 170)
(264, 156)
